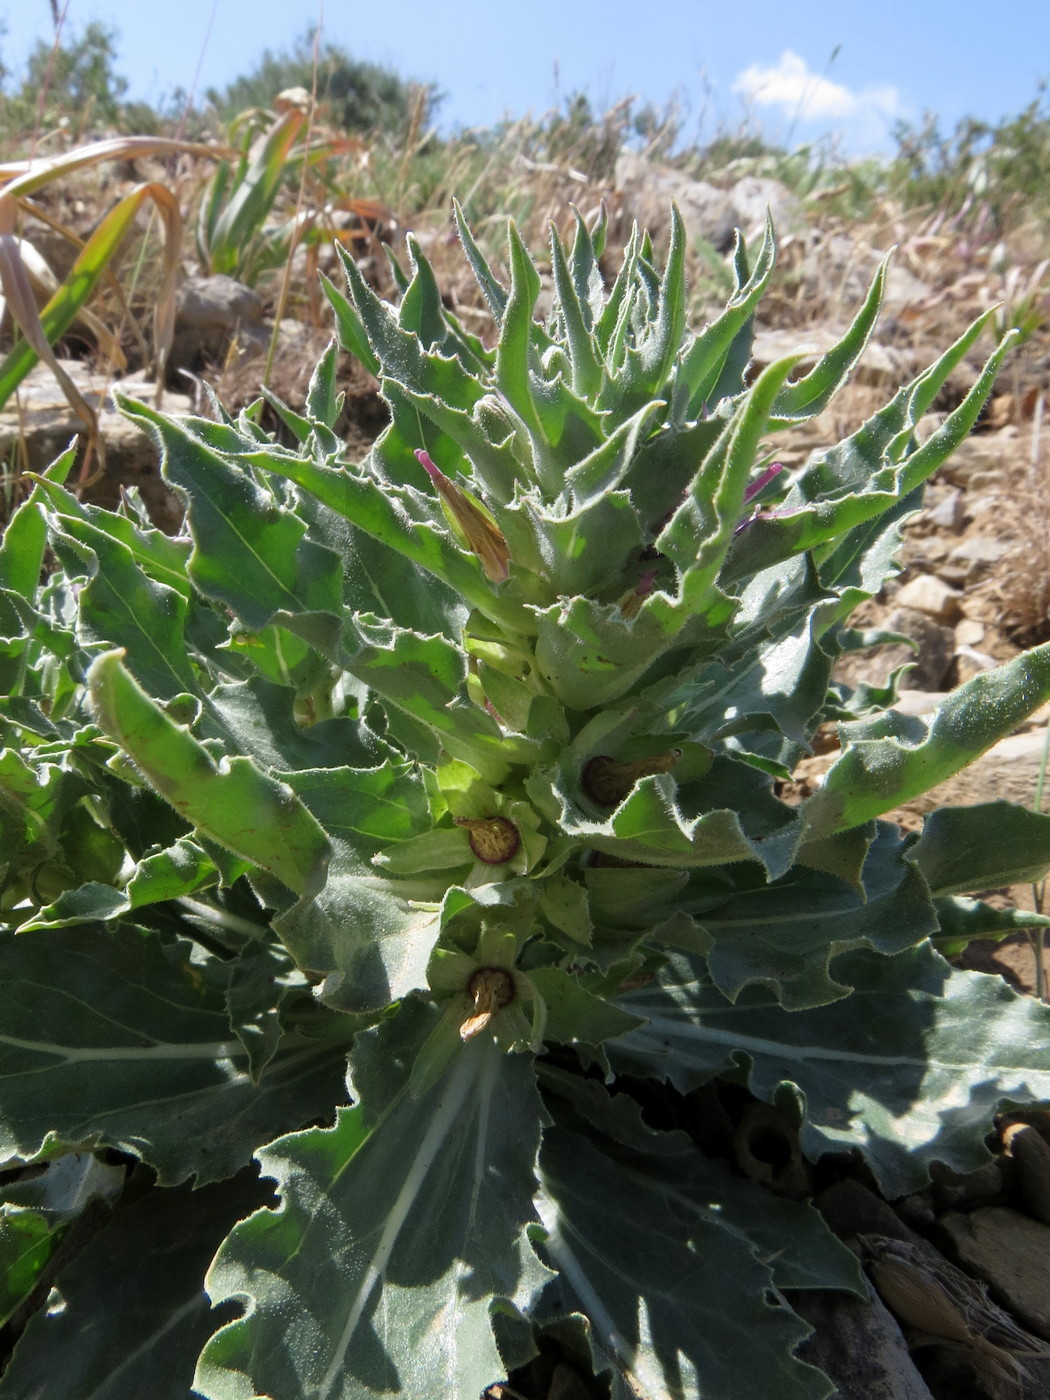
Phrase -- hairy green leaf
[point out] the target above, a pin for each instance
(984, 847)
(892, 758)
(116, 1038)
(250, 553)
(678, 1302)
(909, 1068)
(398, 1232)
(231, 802)
(133, 1312)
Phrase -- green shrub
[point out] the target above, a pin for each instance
(981, 172)
(76, 82)
(358, 96)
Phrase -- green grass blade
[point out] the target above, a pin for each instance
(253, 197)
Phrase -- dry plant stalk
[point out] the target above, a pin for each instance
(1031, 1155)
(1025, 585)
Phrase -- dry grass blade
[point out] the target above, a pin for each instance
(930, 1295)
(1024, 591)
(19, 295)
(164, 310)
(69, 235)
(45, 284)
(99, 250)
(20, 179)
(24, 177)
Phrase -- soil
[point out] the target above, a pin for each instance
(1013, 959)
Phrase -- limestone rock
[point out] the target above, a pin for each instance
(754, 194)
(978, 554)
(983, 453)
(217, 301)
(211, 312)
(970, 662)
(38, 425)
(648, 189)
(1008, 770)
(969, 632)
(850, 1209)
(927, 554)
(880, 363)
(852, 265)
(929, 666)
(952, 1188)
(859, 1346)
(931, 595)
(927, 425)
(985, 509)
(1010, 1252)
(949, 512)
(252, 343)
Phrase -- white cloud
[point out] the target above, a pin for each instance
(791, 86)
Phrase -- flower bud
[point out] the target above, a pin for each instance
(770, 474)
(753, 490)
(494, 840)
(479, 531)
(607, 781)
(630, 604)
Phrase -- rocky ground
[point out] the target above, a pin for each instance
(972, 592)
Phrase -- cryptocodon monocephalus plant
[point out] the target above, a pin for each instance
(414, 826)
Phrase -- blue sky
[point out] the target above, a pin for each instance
(721, 61)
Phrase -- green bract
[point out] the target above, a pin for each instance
(458, 767)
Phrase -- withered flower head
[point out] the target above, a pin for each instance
(490, 989)
(494, 840)
(607, 781)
